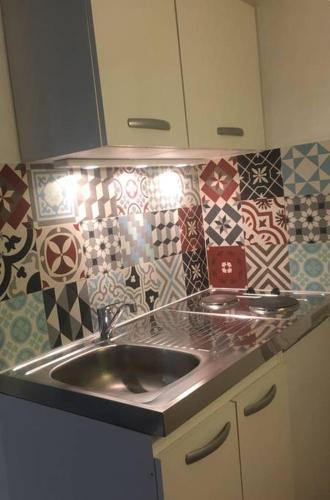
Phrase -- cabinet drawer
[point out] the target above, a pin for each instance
(204, 462)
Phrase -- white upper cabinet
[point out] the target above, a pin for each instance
(8, 137)
(139, 67)
(88, 74)
(220, 66)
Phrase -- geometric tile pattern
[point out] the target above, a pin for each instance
(101, 245)
(136, 239)
(141, 287)
(14, 196)
(227, 266)
(68, 313)
(191, 228)
(130, 188)
(23, 329)
(165, 233)
(265, 221)
(19, 267)
(308, 218)
(61, 255)
(53, 195)
(219, 181)
(223, 224)
(96, 197)
(310, 266)
(260, 175)
(195, 271)
(306, 169)
(171, 278)
(268, 266)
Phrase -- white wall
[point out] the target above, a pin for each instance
(8, 137)
(294, 40)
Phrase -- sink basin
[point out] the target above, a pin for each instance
(126, 371)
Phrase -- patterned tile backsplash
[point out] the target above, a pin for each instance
(74, 240)
(275, 230)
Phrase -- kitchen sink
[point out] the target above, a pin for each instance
(126, 371)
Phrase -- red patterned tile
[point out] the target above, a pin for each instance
(227, 267)
(265, 221)
(191, 225)
(219, 180)
(14, 196)
(60, 252)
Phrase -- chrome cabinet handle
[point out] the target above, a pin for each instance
(151, 123)
(234, 131)
(196, 455)
(262, 403)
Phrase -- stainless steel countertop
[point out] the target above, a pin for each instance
(229, 349)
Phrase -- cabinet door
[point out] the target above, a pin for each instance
(139, 66)
(264, 437)
(215, 476)
(220, 64)
(8, 136)
(308, 371)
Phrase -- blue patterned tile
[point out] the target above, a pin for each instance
(306, 169)
(23, 329)
(53, 195)
(310, 266)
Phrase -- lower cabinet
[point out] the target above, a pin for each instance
(264, 437)
(308, 367)
(204, 462)
(238, 450)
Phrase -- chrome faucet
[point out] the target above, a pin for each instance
(108, 321)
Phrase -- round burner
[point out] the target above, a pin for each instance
(275, 304)
(217, 300)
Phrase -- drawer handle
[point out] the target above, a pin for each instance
(262, 403)
(195, 456)
(235, 131)
(151, 123)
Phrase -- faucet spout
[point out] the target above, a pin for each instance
(108, 321)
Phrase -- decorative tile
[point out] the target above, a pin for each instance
(142, 286)
(268, 266)
(14, 196)
(101, 245)
(191, 226)
(306, 169)
(265, 221)
(195, 271)
(131, 190)
(227, 267)
(172, 188)
(135, 239)
(19, 272)
(68, 313)
(190, 194)
(219, 181)
(223, 224)
(260, 175)
(310, 266)
(61, 255)
(96, 197)
(165, 233)
(23, 329)
(53, 195)
(171, 277)
(308, 218)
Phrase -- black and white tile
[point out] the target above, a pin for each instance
(165, 233)
(195, 271)
(260, 175)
